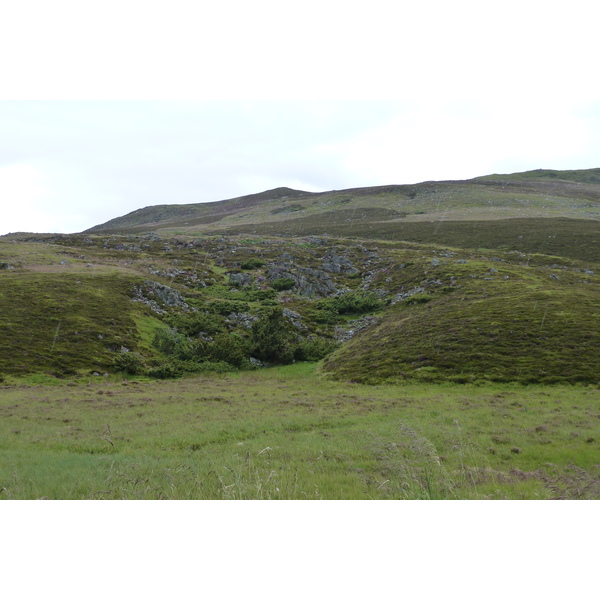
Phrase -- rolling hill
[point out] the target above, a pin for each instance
(490, 279)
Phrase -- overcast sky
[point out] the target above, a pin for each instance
(104, 111)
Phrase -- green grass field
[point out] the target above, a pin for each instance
(290, 433)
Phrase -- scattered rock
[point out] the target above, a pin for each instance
(334, 263)
(404, 295)
(294, 317)
(240, 279)
(309, 282)
(315, 241)
(343, 334)
(156, 295)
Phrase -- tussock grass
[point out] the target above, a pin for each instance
(286, 433)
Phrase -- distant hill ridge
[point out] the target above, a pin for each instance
(541, 193)
(164, 213)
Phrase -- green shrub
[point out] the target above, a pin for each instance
(322, 315)
(173, 343)
(227, 292)
(235, 294)
(176, 368)
(252, 263)
(229, 348)
(129, 362)
(165, 370)
(274, 338)
(352, 302)
(286, 283)
(226, 307)
(262, 295)
(314, 349)
(418, 299)
(214, 367)
(192, 324)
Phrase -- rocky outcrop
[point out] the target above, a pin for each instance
(294, 317)
(309, 282)
(240, 279)
(335, 263)
(407, 294)
(343, 334)
(157, 295)
(241, 319)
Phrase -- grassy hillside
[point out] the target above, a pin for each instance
(531, 195)
(189, 215)
(578, 176)
(377, 279)
(393, 310)
(532, 322)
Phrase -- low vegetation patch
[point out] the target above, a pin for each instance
(285, 433)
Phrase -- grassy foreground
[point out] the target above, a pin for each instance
(287, 433)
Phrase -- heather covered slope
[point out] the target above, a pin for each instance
(534, 194)
(500, 318)
(379, 311)
(496, 278)
(193, 216)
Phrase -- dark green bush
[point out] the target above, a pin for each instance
(314, 349)
(252, 263)
(286, 283)
(129, 362)
(274, 338)
(194, 323)
(229, 348)
(270, 302)
(176, 368)
(165, 370)
(355, 302)
(213, 367)
(262, 295)
(226, 307)
(418, 299)
(173, 343)
(322, 315)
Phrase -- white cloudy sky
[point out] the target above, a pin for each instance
(113, 106)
